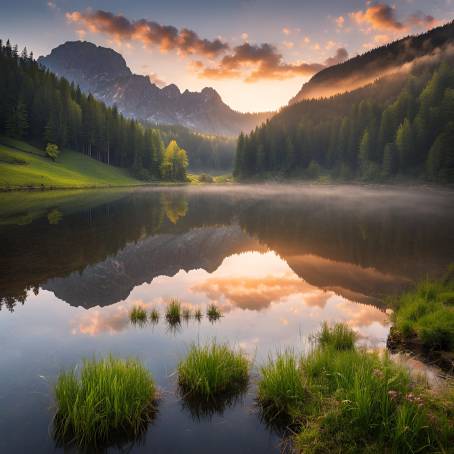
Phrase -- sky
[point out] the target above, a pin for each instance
(255, 53)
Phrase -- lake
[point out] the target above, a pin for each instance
(277, 260)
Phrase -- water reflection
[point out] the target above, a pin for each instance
(92, 250)
(275, 261)
(269, 287)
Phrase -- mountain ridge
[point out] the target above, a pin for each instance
(365, 68)
(104, 73)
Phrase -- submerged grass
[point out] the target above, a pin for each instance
(198, 314)
(173, 312)
(213, 370)
(426, 314)
(154, 315)
(138, 315)
(186, 313)
(213, 313)
(106, 398)
(351, 400)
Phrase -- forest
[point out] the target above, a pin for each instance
(399, 126)
(38, 107)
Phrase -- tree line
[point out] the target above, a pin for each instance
(399, 125)
(37, 106)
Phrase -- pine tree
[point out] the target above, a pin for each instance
(405, 144)
(17, 121)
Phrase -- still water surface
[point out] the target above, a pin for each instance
(277, 260)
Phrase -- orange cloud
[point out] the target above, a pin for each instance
(149, 33)
(253, 62)
(381, 16)
(254, 293)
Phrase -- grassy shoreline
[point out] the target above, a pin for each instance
(423, 321)
(341, 398)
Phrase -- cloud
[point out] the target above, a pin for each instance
(341, 56)
(155, 79)
(421, 20)
(340, 21)
(249, 62)
(253, 62)
(149, 33)
(253, 293)
(381, 16)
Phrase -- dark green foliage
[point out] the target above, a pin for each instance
(205, 152)
(402, 124)
(38, 106)
(52, 151)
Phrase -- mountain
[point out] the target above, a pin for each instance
(366, 68)
(104, 73)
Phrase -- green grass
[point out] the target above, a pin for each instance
(426, 314)
(71, 170)
(213, 313)
(154, 315)
(173, 312)
(198, 314)
(352, 400)
(138, 315)
(340, 336)
(213, 370)
(281, 391)
(104, 399)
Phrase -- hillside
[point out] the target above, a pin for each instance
(23, 166)
(366, 68)
(400, 126)
(104, 73)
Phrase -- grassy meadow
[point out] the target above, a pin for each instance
(23, 166)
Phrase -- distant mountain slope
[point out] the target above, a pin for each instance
(366, 68)
(104, 73)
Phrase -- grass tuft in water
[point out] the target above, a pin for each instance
(173, 312)
(106, 398)
(138, 315)
(212, 370)
(213, 313)
(154, 315)
(186, 313)
(198, 314)
(339, 336)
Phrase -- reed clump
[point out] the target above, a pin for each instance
(212, 370)
(103, 399)
(138, 315)
(173, 312)
(213, 313)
